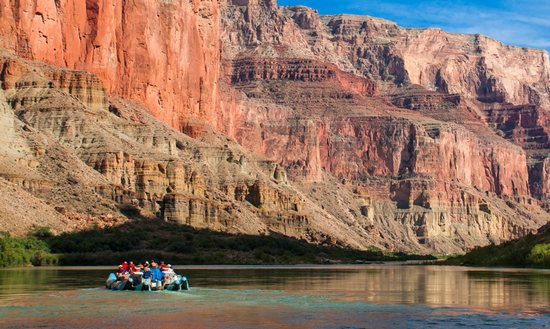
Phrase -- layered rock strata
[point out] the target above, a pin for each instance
(90, 161)
(407, 139)
(164, 54)
(436, 138)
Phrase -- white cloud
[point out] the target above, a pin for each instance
(514, 23)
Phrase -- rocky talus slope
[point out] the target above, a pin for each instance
(243, 116)
(71, 154)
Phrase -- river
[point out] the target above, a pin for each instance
(358, 296)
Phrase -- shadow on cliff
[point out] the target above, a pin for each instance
(141, 240)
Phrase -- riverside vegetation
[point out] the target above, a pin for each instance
(179, 244)
(343, 126)
(185, 245)
(532, 250)
(24, 251)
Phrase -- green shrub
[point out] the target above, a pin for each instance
(42, 232)
(24, 251)
(179, 244)
(539, 256)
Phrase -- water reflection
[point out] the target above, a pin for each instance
(14, 282)
(414, 285)
(272, 297)
(21, 282)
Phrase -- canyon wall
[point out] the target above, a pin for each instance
(440, 116)
(165, 54)
(475, 71)
(474, 66)
(82, 158)
(364, 133)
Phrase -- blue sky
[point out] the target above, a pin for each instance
(517, 23)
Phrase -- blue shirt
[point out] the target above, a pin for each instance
(157, 274)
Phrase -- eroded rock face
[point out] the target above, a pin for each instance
(37, 83)
(406, 139)
(440, 120)
(8, 140)
(248, 70)
(388, 147)
(474, 66)
(132, 160)
(164, 54)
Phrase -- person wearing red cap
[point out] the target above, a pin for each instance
(120, 271)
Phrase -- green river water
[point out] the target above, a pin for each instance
(362, 296)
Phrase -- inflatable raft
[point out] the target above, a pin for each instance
(135, 281)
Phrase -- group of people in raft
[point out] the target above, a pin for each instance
(149, 270)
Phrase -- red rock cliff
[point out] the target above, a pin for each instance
(403, 138)
(165, 54)
(474, 66)
(436, 138)
(464, 72)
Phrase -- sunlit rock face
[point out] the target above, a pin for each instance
(165, 54)
(437, 140)
(84, 152)
(474, 66)
(363, 132)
